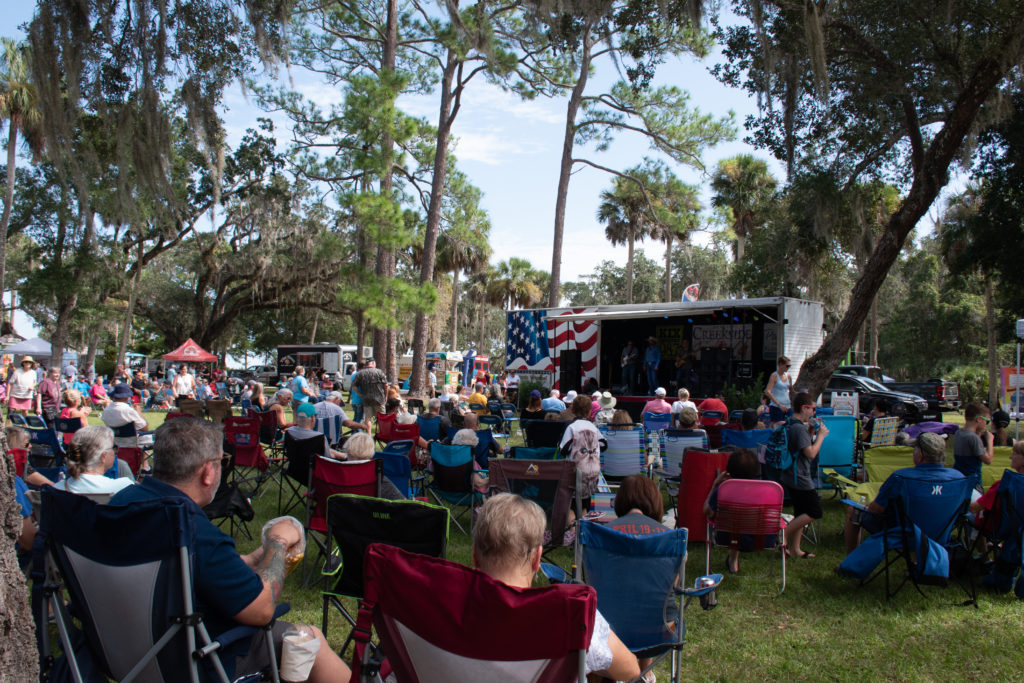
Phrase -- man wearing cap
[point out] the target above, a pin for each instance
(331, 406)
(21, 387)
(929, 465)
(121, 412)
(553, 401)
(658, 404)
(305, 422)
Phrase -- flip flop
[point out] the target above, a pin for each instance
(804, 555)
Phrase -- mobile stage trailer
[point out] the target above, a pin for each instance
(731, 341)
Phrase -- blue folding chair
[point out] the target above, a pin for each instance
(430, 426)
(482, 452)
(128, 571)
(451, 482)
(30, 421)
(673, 444)
(640, 583)
(496, 425)
(754, 439)
(655, 422)
(1011, 521)
(839, 450)
(396, 468)
(526, 453)
(925, 510)
(626, 453)
(510, 416)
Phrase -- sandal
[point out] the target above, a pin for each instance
(804, 555)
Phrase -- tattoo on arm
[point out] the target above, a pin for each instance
(271, 566)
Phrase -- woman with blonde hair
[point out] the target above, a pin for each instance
(72, 400)
(358, 448)
(258, 398)
(89, 455)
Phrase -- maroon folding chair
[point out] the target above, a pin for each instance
(132, 456)
(385, 427)
(433, 615)
(330, 476)
(175, 416)
(243, 436)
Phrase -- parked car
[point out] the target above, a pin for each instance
(870, 371)
(939, 393)
(908, 406)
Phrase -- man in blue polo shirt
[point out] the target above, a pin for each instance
(231, 589)
(929, 465)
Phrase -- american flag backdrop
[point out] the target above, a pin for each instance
(535, 340)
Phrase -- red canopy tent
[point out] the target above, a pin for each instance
(190, 352)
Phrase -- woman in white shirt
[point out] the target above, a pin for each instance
(21, 389)
(90, 455)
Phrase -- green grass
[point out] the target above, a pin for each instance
(821, 628)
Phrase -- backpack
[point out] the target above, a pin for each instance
(585, 451)
(777, 453)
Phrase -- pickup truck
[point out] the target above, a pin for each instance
(910, 407)
(941, 394)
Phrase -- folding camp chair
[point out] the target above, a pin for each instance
(243, 434)
(396, 469)
(20, 457)
(45, 443)
(29, 421)
(451, 481)
(641, 588)
(883, 432)
(175, 416)
(544, 432)
(626, 453)
(414, 405)
(190, 406)
(747, 514)
(839, 450)
(552, 484)
(439, 620)
(482, 451)
(543, 453)
(656, 422)
(754, 439)
(67, 426)
(880, 462)
(130, 431)
(354, 522)
(271, 435)
(410, 432)
(478, 408)
(128, 571)
(1010, 530)
(496, 426)
(673, 443)
(430, 426)
(331, 427)
(230, 502)
(510, 415)
(297, 473)
(385, 427)
(698, 475)
(925, 510)
(330, 477)
(218, 409)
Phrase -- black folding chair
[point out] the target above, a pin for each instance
(544, 432)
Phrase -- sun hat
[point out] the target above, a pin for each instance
(606, 401)
(121, 390)
(28, 359)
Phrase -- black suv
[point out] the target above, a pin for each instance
(911, 408)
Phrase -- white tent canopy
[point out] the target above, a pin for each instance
(35, 347)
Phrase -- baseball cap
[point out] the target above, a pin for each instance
(660, 391)
(306, 409)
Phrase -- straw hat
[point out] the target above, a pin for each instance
(28, 359)
(606, 401)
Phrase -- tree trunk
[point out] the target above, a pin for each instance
(5, 221)
(565, 170)
(90, 354)
(990, 329)
(391, 362)
(483, 324)
(418, 379)
(360, 335)
(316, 321)
(630, 245)
(741, 243)
(58, 340)
(133, 297)
(455, 311)
(668, 265)
(19, 657)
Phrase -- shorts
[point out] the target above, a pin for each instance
(805, 502)
(257, 658)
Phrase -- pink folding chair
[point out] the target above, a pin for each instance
(747, 516)
(441, 620)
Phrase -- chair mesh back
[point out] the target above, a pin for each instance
(453, 467)
(749, 507)
(396, 468)
(335, 476)
(244, 434)
(674, 443)
(549, 483)
(357, 521)
(626, 453)
(657, 421)
(430, 426)
(934, 506)
(524, 453)
(300, 454)
(541, 433)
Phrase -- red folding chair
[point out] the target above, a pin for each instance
(330, 476)
(696, 478)
(408, 433)
(175, 416)
(434, 615)
(386, 426)
(132, 456)
(243, 435)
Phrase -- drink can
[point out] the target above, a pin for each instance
(709, 600)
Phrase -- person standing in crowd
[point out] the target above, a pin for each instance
(49, 395)
(973, 443)
(777, 392)
(652, 359)
(799, 480)
(372, 385)
(21, 388)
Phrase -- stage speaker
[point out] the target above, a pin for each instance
(570, 370)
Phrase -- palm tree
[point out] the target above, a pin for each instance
(676, 211)
(462, 249)
(623, 210)
(742, 184)
(19, 105)
(513, 284)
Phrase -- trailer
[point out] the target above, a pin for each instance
(337, 359)
(716, 343)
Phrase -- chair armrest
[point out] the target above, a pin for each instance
(237, 633)
(554, 573)
(699, 590)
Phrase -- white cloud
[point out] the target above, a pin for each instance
(491, 148)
